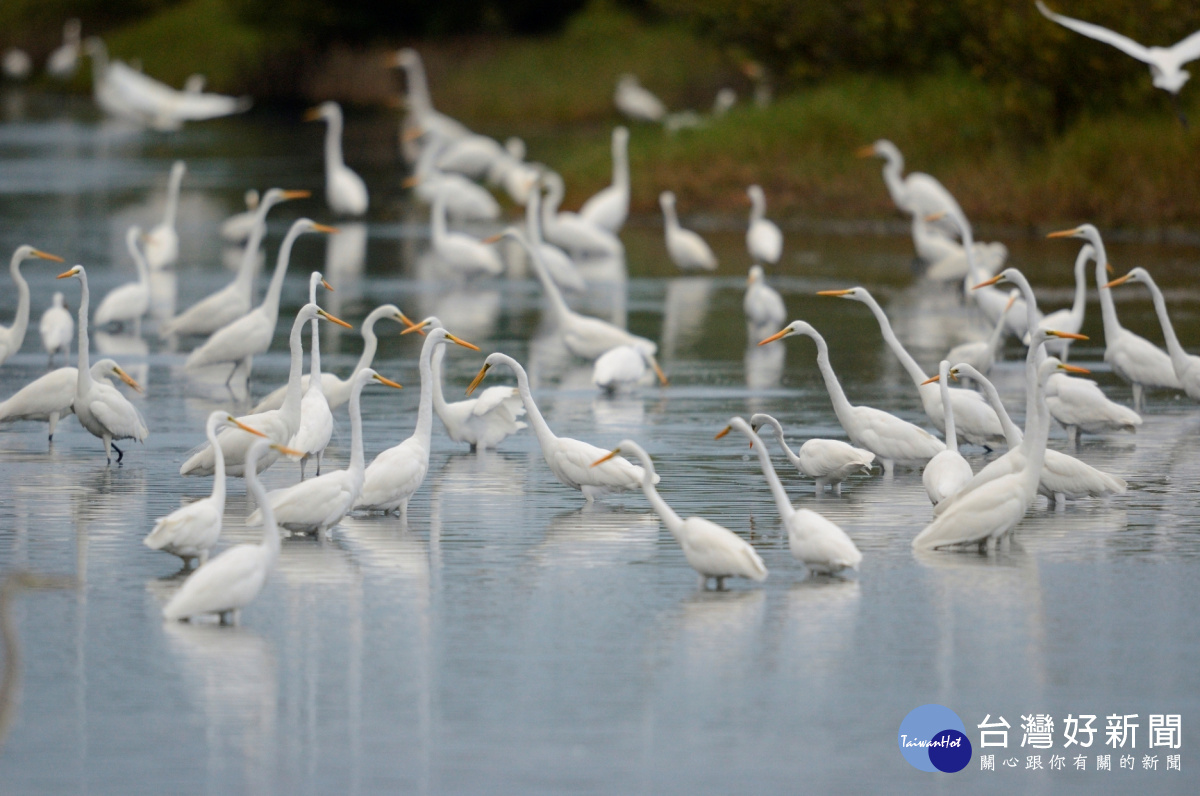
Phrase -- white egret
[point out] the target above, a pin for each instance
(191, 531)
(16, 63)
(239, 340)
(12, 337)
(982, 354)
(228, 583)
(480, 422)
(1069, 320)
(472, 155)
(397, 473)
(610, 206)
(316, 419)
(893, 440)
(764, 241)
(687, 249)
(129, 302)
(57, 327)
(423, 118)
(101, 409)
(63, 62)
(278, 424)
(558, 263)
(235, 299)
(462, 254)
(916, 194)
(465, 199)
(238, 227)
(1082, 407)
(814, 541)
(1186, 366)
(826, 461)
(50, 398)
(570, 231)
(337, 391)
(947, 472)
(974, 419)
(162, 242)
(712, 550)
(345, 191)
(637, 102)
(762, 304)
(318, 504)
(625, 367)
(1132, 357)
(569, 459)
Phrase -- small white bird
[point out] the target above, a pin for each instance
(316, 418)
(345, 191)
(192, 531)
(238, 227)
(572, 232)
(231, 581)
(712, 550)
(63, 62)
(57, 327)
(626, 367)
(762, 304)
(573, 462)
(817, 543)
(463, 255)
(1187, 366)
(981, 354)
(130, 302)
(12, 337)
(637, 102)
(687, 249)
(764, 241)
(949, 471)
(162, 242)
(50, 398)
(826, 461)
(609, 208)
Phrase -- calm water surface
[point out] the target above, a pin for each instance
(510, 639)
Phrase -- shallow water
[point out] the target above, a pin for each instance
(509, 638)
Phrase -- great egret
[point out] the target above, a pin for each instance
(337, 391)
(982, 354)
(610, 206)
(1081, 407)
(1069, 320)
(712, 550)
(636, 102)
(974, 419)
(345, 191)
(57, 327)
(278, 424)
(462, 254)
(569, 459)
(129, 302)
(238, 227)
(316, 419)
(947, 472)
(687, 249)
(318, 504)
(583, 335)
(625, 367)
(162, 242)
(231, 581)
(1186, 366)
(13, 336)
(465, 199)
(762, 304)
(473, 155)
(764, 241)
(235, 299)
(570, 231)
(100, 408)
(893, 440)
(817, 543)
(423, 118)
(480, 422)
(1133, 358)
(558, 263)
(251, 334)
(826, 461)
(192, 531)
(916, 194)
(51, 397)
(63, 62)
(397, 473)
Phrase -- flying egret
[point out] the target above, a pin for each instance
(893, 440)
(397, 473)
(764, 241)
(569, 459)
(826, 461)
(570, 231)
(636, 101)
(191, 531)
(610, 206)
(50, 398)
(57, 327)
(129, 302)
(1186, 366)
(687, 249)
(13, 336)
(101, 409)
(162, 242)
(762, 304)
(228, 583)
(318, 504)
(947, 472)
(817, 543)
(712, 550)
(345, 191)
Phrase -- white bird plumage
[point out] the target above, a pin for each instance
(981, 354)
(345, 191)
(56, 328)
(238, 227)
(826, 461)
(162, 241)
(626, 367)
(947, 472)
(63, 62)
(687, 249)
(12, 337)
(50, 398)
(764, 241)
(1186, 366)
(571, 232)
(463, 255)
(636, 101)
(1069, 319)
(127, 303)
(558, 263)
(762, 304)
(316, 419)
(609, 208)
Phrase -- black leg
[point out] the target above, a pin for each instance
(120, 453)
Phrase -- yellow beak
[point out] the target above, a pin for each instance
(288, 451)
(478, 378)
(387, 382)
(312, 114)
(329, 317)
(1073, 368)
(990, 282)
(1066, 335)
(603, 459)
(46, 256)
(867, 151)
(125, 377)
(774, 337)
(326, 285)
(297, 194)
(328, 230)
(415, 327)
(723, 432)
(460, 341)
(66, 274)
(1063, 233)
(834, 292)
(244, 427)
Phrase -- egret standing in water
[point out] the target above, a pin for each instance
(316, 419)
(57, 328)
(345, 191)
(1186, 366)
(947, 472)
(764, 241)
(826, 461)
(13, 336)
(162, 242)
(686, 248)
(51, 397)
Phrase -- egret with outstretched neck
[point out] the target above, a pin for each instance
(12, 337)
(1185, 365)
(826, 461)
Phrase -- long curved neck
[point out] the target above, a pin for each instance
(669, 214)
(788, 452)
(292, 398)
(314, 356)
(781, 499)
(841, 404)
(948, 412)
(541, 429)
(554, 196)
(1012, 434)
(218, 490)
(998, 332)
(357, 457)
(1079, 305)
(561, 311)
(672, 520)
(21, 321)
(84, 377)
(333, 142)
(757, 208)
(533, 214)
(885, 326)
(621, 163)
(370, 344)
(893, 177)
(439, 219)
(418, 88)
(1108, 310)
(1179, 357)
(424, 430)
(143, 268)
(275, 289)
(173, 198)
(270, 533)
(245, 274)
(439, 398)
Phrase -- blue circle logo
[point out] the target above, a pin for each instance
(933, 738)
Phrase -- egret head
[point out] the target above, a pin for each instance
(78, 271)
(666, 199)
(29, 253)
(795, 327)
(329, 111)
(1136, 275)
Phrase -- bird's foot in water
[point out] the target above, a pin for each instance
(120, 454)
